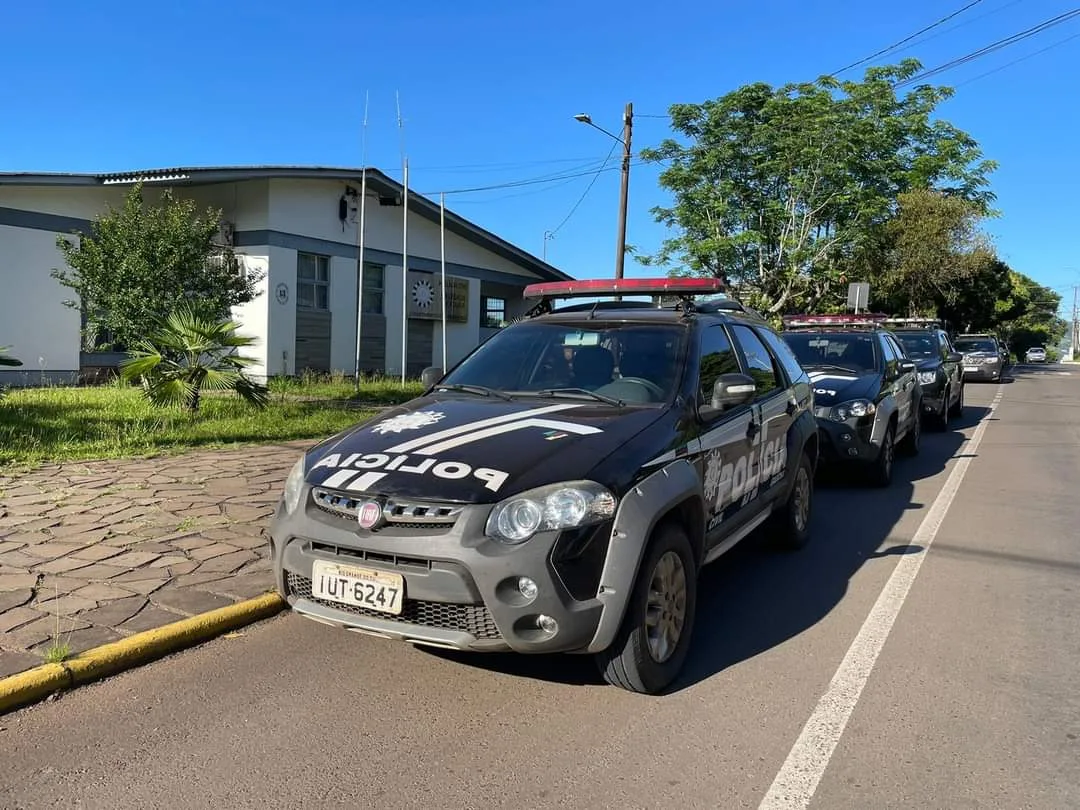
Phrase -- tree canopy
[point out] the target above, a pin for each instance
(141, 261)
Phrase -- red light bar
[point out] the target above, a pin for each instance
(624, 286)
(834, 320)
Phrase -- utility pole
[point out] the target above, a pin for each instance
(628, 128)
(1074, 343)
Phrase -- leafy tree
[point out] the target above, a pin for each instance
(933, 249)
(784, 192)
(1034, 320)
(981, 301)
(140, 261)
(189, 354)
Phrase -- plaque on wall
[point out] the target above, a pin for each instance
(424, 296)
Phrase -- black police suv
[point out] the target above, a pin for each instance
(938, 364)
(560, 489)
(867, 398)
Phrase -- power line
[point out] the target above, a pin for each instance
(906, 39)
(991, 48)
(961, 24)
(495, 167)
(588, 188)
(1017, 61)
(527, 182)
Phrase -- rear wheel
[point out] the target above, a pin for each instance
(941, 418)
(913, 439)
(654, 639)
(793, 518)
(958, 408)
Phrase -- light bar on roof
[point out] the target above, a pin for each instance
(913, 321)
(869, 319)
(624, 286)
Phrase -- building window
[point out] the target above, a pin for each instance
(312, 281)
(373, 289)
(494, 312)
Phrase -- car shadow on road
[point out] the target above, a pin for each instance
(756, 597)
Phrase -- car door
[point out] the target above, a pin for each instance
(952, 370)
(776, 410)
(904, 383)
(725, 438)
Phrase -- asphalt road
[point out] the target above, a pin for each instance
(866, 671)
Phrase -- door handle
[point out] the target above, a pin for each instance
(791, 407)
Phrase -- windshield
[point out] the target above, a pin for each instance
(632, 363)
(919, 345)
(854, 352)
(975, 345)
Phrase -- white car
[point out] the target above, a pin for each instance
(1036, 354)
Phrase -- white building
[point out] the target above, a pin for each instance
(299, 226)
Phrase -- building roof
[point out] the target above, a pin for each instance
(379, 182)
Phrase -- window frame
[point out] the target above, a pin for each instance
(320, 281)
(373, 292)
(485, 312)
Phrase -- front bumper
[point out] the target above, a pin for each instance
(460, 588)
(982, 371)
(932, 399)
(846, 442)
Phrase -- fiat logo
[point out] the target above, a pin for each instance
(369, 514)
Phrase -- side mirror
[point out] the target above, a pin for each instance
(906, 366)
(954, 357)
(430, 375)
(730, 391)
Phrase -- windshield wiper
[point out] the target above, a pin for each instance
(480, 390)
(835, 368)
(580, 392)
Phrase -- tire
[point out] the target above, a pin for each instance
(632, 662)
(913, 438)
(881, 473)
(792, 520)
(958, 408)
(941, 420)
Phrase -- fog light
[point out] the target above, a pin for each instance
(527, 588)
(852, 451)
(546, 623)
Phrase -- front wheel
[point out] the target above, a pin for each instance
(958, 408)
(654, 639)
(881, 474)
(913, 438)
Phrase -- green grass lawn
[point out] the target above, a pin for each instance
(66, 424)
(373, 390)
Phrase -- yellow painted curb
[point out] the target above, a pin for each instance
(109, 659)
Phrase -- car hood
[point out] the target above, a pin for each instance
(994, 355)
(473, 450)
(927, 363)
(834, 387)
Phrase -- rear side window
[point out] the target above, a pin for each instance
(716, 357)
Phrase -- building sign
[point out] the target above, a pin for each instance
(281, 292)
(424, 297)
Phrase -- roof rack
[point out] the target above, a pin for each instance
(915, 323)
(684, 288)
(832, 322)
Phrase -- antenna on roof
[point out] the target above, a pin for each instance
(360, 237)
(404, 241)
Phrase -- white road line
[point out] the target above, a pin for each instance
(801, 772)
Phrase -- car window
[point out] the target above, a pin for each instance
(943, 339)
(782, 352)
(716, 357)
(901, 353)
(919, 345)
(760, 363)
(529, 357)
(889, 352)
(853, 351)
(975, 345)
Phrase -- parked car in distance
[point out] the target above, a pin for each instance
(941, 374)
(1036, 354)
(982, 357)
(867, 398)
(561, 488)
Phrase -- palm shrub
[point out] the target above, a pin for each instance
(188, 354)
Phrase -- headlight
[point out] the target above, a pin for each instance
(551, 508)
(852, 410)
(927, 377)
(294, 486)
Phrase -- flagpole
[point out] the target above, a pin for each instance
(442, 270)
(405, 272)
(360, 241)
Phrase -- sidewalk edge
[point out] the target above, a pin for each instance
(30, 686)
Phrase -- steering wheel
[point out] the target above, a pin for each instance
(652, 387)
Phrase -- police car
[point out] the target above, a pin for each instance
(560, 489)
(867, 397)
(939, 366)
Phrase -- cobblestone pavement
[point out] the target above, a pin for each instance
(91, 552)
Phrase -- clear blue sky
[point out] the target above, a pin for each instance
(488, 91)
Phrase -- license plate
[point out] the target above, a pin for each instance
(971, 368)
(359, 587)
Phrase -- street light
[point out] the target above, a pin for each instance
(628, 126)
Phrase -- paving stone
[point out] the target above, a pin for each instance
(17, 582)
(250, 542)
(83, 535)
(128, 527)
(242, 587)
(150, 618)
(246, 513)
(63, 565)
(101, 571)
(28, 537)
(13, 599)
(19, 559)
(211, 551)
(101, 593)
(228, 562)
(180, 568)
(66, 605)
(6, 546)
(48, 625)
(17, 617)
(190, 601)
(96, 553)
(167, 560)
(39, 524)
(52, 551)
(200, 577)
(143, 586)
(115, 613)
(134, 559)
(82, 640)
(12, 663)
(26, 637)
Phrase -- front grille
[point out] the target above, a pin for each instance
(473, 619)
(406, 514)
